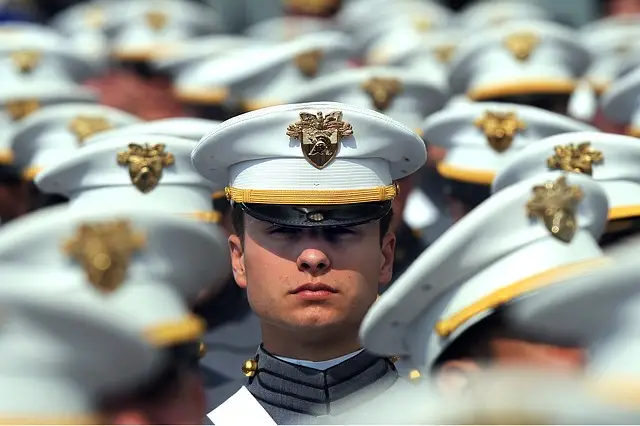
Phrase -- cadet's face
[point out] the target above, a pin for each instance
(311, 279)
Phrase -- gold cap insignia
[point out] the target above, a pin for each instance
(444, 53)
(313, 7)
(19, 109)
(422, 24)
(308, 63)
(85, 126)
(26, 60)
(382, 91)
(500, 128)
(104, 251)
(571, 158)
(145, 164)
(555, 204)
(521, 45)
(156, 20)
(320, 136)
(95, 17)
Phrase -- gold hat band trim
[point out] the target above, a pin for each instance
(218, 194)
(477, 176)
(211, 216)
(31, 172)
(202, 95)
(252, 105)
(156, 52)
(623, 212)
(312, 197)
(167, 334)
(633, 131)
(526, 87)
(88, 419)
(506, 294)
(6, 157)
(619, 392)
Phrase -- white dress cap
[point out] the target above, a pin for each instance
(422, 17)
(183, 54)
(59, 361)
(481, 137)
(612, 42)
(29, 53)
(148, 170)
(620, 102)
(17, 102)
(319, 153)
(608, 158)
(146, 265)
(599, 311)
(493, 13)
(256, 77)
(404, 95)
(146, 28)
(181, 127)
(367, 20)
(428, 53)
(50, 134)
(288, 28)
(517, 241)
(519, 58)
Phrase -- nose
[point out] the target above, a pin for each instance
(313, 261)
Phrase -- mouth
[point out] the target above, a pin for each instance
(314, 288)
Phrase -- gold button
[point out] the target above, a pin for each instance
(202, 350)
(250, 367)
(414, 375)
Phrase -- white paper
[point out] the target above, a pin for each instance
(241, 409)
(419, 211)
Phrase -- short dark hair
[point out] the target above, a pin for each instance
(237, 218)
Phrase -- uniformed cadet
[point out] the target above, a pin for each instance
(482, 136)
(144, 264)
(607, 158)
(148, 170)
(288, 28)
(513, 396)
(408, 97)
(311, 187)
(368, 20)
(482, 14)
(530, 62)
(60, 361)
(145, 30)
(84, 24)
(52, 133)
(611, 41)
(445, 312)
(261, 76)
(233, 330)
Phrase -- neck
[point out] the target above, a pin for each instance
(308, 345)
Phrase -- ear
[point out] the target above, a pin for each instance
(386, 258)
(237, 260)
(454, 376)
